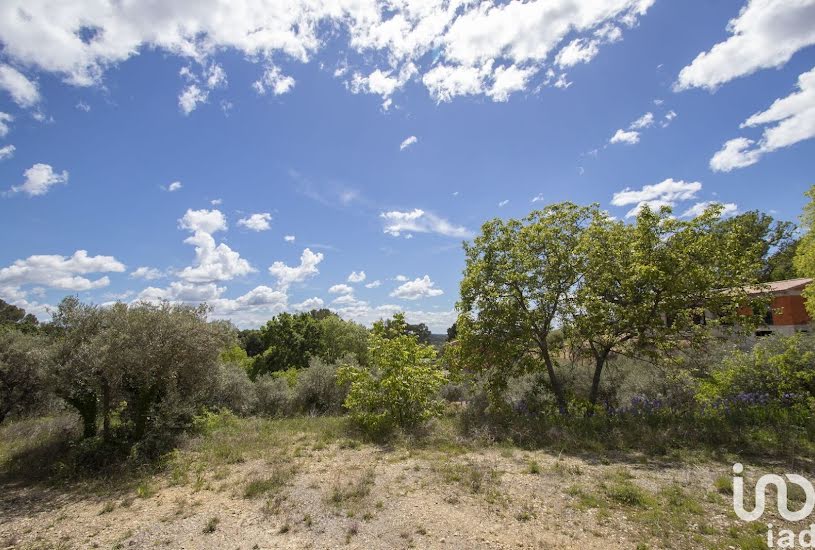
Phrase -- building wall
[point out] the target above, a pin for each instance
(789, 310)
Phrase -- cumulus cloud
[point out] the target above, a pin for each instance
(257, 222)
(622, 136)
(174, 186)
(341, 289)
(7, 152)
(309, 304)
(765, 34)
(39, 179)
(61, 272)
(503, 203)
(538, 198)
(191, 97)
(288, 238)
(356, 277)
(5, 119)
(274, 81)
(421, 287)
(23, 91)
(665, 193)
(212, 262)
(287, 275)
(419, 221)
(407, 142)
(147, 273)
(491, 48)
(787, 121)
(727, 209)
(645, 121)
(374, 284)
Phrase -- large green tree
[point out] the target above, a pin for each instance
(289, 341)
(647, 286)
(805, 254)
(517, 288)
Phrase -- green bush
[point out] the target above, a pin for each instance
(317, 390)
(274, 396)
(778, 370)
(234, 390)
(400, 388)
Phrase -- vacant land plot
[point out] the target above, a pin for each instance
(303, 483)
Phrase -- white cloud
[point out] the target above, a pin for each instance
(174, 186)
(356, 277)
(182, 291)
(419, 221)
(622, 136)
(257, 222)
(147, 273)
(65, 273)
(273, 80)
(645, 121)
(728, 209)
(407, 142)
(577, 51)
(309, 304)
(5, 119)
(23, 91)
(538, 198)
(191, 97)
(374, 284)
(79, 42)
(82, 106)
(260, 297)
(341, 289)
(792, 119)
(212, 262)
(665, 193)
(421, 287)
(400, 278)
(206, 221)
(7, 152)
(216, 202)
(765, 34)
(349, 300)
(39, 179)
(288, 238)
(286, 275)
(503, 203)
(507, 80)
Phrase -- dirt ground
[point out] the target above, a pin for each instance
(363, 496)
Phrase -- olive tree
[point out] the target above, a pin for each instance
(22, 358)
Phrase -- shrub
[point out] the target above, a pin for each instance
(317, 390)
(274, 397)
(400, 388)
(22, 358)
(234, 390)
(778, 370)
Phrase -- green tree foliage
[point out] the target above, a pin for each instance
(420, 330)
(22, 361)
(778, 368)
(289, 341)
(804, 260)
(452, 332)
(570, 274)
(518, 280)
(340, 338)
(400, 387)
(646, 286)
(152, 365)
(251, 341)
(12, 316)
(774, 239)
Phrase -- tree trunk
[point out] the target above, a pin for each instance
(600, 362)
(105, 410)
(557, 387)
(87, 409)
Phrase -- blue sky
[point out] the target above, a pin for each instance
(166, 150)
